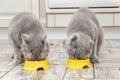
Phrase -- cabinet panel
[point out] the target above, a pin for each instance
(5, 19)
(62, 20)
(9, 8)
(12, 5)
(50, 21)
(105, 19)
(117, 19)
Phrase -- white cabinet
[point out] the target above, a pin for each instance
(9, 8)
(12, 6)
(58, 20)
(117, 19)
(5, 20)
(105, 19)
(62, 20)
(50, 21)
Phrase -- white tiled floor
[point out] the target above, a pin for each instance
(108, 69)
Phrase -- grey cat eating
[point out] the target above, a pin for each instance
(27, 38)
(85, 36)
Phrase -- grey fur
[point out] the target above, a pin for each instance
(85, 36)
(28, 38)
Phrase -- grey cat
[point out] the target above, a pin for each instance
(85, 36)
(28, 38)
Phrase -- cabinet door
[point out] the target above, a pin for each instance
(117, 19)
(50, 21)
(105, 19)
(9, 8)
(13, 6)
(62, 20)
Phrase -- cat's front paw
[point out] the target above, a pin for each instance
(16, 62)
(95, 60)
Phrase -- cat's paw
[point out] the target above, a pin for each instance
(16, 62)
(95, 60)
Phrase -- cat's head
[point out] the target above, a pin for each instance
(78, 46)
(34, 47)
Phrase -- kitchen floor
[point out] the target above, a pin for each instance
(108, 69)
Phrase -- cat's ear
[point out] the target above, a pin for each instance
(44, 39)
(74, 37)
(25, 38)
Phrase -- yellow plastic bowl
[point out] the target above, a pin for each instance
(78, 64)
(35, 65)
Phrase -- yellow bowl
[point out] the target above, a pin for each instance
(78, 64)
(35, 65)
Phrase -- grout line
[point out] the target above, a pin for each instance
(109, 43)
(8, 71)
(109, 51)
(94, 71)
(110, 62)
(119, 68)
(64, 74)
(113, 19)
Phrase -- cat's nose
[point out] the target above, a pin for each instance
(76, 55)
